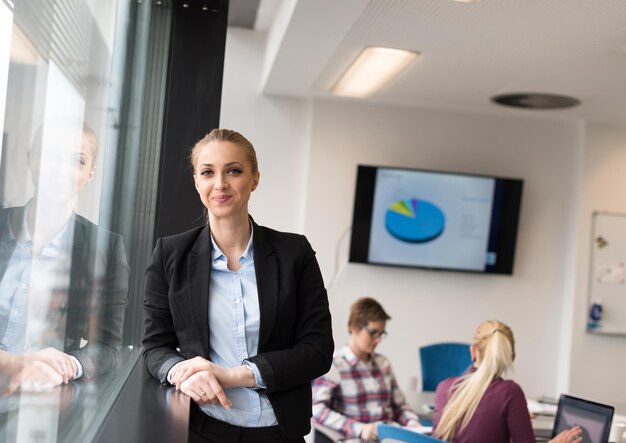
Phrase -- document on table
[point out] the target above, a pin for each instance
(539, 408)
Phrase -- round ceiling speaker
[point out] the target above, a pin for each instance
(535, 100)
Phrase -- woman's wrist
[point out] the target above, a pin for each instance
(9, 363)
(249, 379)
(239, 376)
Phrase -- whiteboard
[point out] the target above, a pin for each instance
(607, 278)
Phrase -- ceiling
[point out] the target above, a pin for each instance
(242, 13)
(469, 51)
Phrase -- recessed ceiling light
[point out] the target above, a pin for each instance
(535, 100)
(374, 68)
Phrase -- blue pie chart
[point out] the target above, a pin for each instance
(414, 221)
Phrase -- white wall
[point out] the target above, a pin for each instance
(308, 155)
(277, 127)
(597, 361)
(429, 306)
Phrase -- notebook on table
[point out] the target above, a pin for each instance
(593, 418)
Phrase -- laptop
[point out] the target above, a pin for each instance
(593, 418)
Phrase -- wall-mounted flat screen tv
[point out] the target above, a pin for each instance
(436, 220)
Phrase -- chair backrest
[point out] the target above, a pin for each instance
(442, 360)
(399, 434)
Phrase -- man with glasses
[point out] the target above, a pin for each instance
(360, 390)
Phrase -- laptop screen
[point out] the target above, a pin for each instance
(593, 418)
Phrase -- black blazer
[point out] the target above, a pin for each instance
(97, 294)
(295, 343)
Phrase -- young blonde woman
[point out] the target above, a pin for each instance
(481, 406)
(236, 314)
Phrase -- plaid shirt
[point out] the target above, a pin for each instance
(354, 393)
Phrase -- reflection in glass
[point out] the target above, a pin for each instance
(64, 275)
(64, 281)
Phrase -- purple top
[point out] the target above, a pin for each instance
(501, 415)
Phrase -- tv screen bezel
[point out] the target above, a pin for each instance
(504, 235)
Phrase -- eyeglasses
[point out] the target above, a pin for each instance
(375, 333)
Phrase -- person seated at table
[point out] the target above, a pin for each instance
(480, 406)
(360, 390)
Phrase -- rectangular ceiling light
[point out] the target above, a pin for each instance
(374, 68)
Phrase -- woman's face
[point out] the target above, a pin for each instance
(364, 340)
(63, 164)
(224, 179)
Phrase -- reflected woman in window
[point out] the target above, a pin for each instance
(63, 280)
(481, 406)
(236, 314)
(361, 390)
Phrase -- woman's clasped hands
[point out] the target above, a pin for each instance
(201, 380)
(205, 381)
(37, 371)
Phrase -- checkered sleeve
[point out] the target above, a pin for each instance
(325, 391)
(402, 412)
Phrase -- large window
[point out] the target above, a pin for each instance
(78, 170)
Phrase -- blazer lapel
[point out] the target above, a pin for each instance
(266, 269)
(199, 278)
(81, 294)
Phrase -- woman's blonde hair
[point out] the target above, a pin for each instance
(495, 346)
(225, 135)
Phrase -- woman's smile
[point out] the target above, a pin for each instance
(222, 198)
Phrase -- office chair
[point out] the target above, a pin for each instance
(442, 360)
(404, 435)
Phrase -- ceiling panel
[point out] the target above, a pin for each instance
(469, 52)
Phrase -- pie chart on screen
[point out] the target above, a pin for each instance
(414, 220)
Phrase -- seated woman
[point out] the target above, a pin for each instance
(480, 406)
(360, 390)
